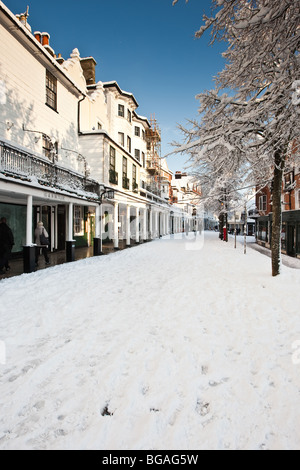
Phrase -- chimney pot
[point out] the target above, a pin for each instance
(45, 39)
(38, 36)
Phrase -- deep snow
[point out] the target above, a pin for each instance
(157, 347)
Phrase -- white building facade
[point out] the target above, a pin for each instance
(66, 143)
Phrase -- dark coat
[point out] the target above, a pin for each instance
(6, 238)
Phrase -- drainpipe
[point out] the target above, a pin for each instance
(78, 114)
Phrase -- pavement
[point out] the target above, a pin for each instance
(286, 260)
(58, 257)
(251, 243)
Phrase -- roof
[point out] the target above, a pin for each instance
(122, 92)
(21, 33)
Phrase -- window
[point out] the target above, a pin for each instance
(124, 167)
(299, 198)
(99, 126)
(289, 179)
(78, 221)
(143, 135)
(137, 131)
(143, 159)
(134, 173)
(121, 110)
(113, 175)
(134, 183)
(51, 90)
(121, 139)
(263, 203)
(50, 150)
(129, 144)
(129, 115)
(112, 158)
(137, 154)
(125, 179)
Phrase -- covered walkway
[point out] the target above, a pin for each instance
(59, 257)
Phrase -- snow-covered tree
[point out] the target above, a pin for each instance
(259, 116)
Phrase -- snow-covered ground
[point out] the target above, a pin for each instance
(170, 345)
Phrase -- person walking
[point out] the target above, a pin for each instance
(6, 244)
(42, 242)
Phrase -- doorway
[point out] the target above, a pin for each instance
(291, 241)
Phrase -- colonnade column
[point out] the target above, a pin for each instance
(128, 225)
(116, 225)
(29, 221)
(145, 225)
(137, 225)
(28, 249)
(156, 233)
(150, 224)
(70, 243)
(98, 231)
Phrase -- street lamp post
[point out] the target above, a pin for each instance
(105, 193)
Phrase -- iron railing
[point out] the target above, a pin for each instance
(29, 167)
(113, 177)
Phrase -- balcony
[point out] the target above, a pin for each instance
(135, 187)
(25, 166)
(125, 183)
(113, 177)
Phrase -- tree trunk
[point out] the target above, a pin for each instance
(277, 213)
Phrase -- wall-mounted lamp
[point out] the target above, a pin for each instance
(9, 125)
(106, 193)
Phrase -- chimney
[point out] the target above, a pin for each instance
(45, 39)
(38, 36)
(60, 59)
(88, 65)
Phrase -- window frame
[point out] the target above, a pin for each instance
(262, 203)
(121, 110)
(78, 221)
(112, 158)
(121, 139)
(51, 90)
(137, 154)
(129, 144)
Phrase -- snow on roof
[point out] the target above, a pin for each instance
(38, 45)
(114, 83)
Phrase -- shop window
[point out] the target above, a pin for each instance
(78, 221)
(283, 236)
(262, 231)
(298, 240)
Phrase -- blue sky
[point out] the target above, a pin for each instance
(147, 46)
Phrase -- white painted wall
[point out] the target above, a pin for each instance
(23, 97)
